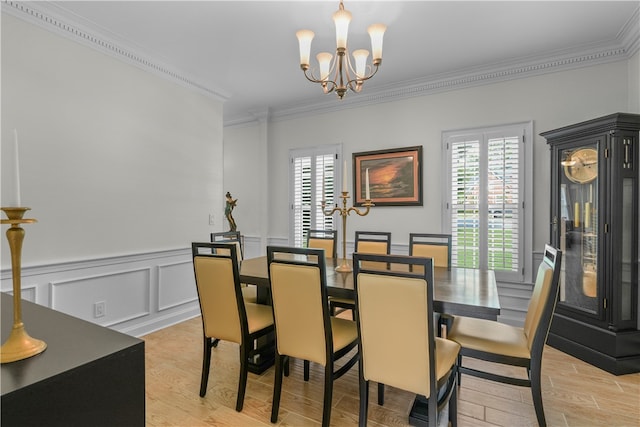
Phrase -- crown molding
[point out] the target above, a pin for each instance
(522, 68)
(44, 16)
(625, 45)
(453, 81)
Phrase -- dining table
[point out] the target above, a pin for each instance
(457, 291)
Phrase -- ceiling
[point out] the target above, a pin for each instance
(247, 52)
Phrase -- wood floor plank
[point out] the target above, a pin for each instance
(575, 394)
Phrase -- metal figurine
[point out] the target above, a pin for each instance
(228, 210)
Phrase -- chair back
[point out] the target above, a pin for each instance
(373, 242)
(300, 304)
(395, 321)
(218, 283)
(543, 300)
(429, 245)
(324, 239)
(229, 237)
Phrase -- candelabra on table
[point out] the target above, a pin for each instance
(344, 212)
(19, 345)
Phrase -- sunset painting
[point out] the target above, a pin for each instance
(395, 176)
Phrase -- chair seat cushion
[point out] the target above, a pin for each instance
(344, 332)
(489, 336)
(259, 316)
(446, 356)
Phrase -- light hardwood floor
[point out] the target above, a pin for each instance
(574, 393)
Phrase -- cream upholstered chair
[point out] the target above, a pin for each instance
(510, 345)
(373, 242)
(228, 237)
(303, 327)
(324, 239)
(249, 292)
(398, 346)
(369, 242)
(225, 314)
(436, 246)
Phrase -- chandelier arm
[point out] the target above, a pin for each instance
(328, 86)
(358, 81)
(373, 73)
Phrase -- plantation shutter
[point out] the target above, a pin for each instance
(465, 203)
(313, 179)
(301, 197)
(503, 197)
(485, 208)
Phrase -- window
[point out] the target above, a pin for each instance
(309, 169)
(487, 198)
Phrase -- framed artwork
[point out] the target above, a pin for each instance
(395, 176)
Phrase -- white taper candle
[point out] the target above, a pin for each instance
(344, 177)
(367, 194)
(17, 169)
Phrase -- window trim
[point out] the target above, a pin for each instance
(525, 129)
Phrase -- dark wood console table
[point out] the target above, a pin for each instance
(88, 375)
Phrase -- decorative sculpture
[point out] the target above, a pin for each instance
(228, 210)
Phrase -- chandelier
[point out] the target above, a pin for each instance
(344, 75)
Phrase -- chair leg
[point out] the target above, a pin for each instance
(459, 370)
(306, 370)
(286, 366)
(536, 392)
(242, 382)
(364, 402)
(380, 394)
(206, 363)
(328, 394)
(453, 406)
(277, 388)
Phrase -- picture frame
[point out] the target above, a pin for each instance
(395, 176)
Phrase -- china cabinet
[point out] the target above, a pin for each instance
(594, 221)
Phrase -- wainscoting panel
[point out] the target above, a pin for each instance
(99, 299)
(135, 294)
(176, 285)
(145, 292)
(27, 293)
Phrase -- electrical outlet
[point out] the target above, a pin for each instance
(99, 309)
(212, 219)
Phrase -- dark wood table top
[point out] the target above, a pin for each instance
(459, 291)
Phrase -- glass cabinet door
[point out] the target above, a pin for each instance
(578, 227)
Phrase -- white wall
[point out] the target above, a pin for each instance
(243, 164)
(113, 159)
(634, 83)
(121, 168)
(551, 100)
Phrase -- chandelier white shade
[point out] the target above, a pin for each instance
(339, 73)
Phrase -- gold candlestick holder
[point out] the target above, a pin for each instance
(344, 267)
(19, 345)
